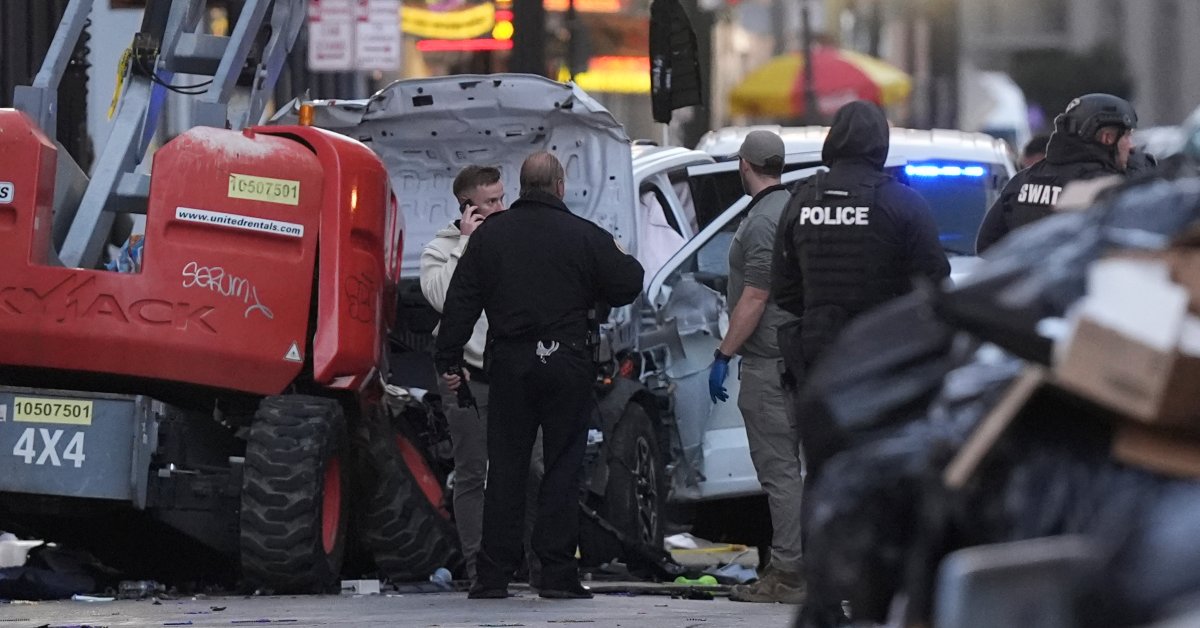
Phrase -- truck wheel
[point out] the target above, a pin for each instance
(635, 498)
(294, 495)
(406, 526)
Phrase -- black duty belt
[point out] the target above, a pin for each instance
(574, 345)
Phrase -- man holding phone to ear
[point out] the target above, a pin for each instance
(480, 193)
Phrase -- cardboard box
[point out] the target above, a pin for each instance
(1184, 263)
(1160, 451)
(1135, 379)
(1136, 348)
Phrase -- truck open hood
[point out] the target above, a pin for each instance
(426, 130)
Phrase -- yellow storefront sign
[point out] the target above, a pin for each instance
(585, 6)
(463, 24)
(282, 191)
(613, 75)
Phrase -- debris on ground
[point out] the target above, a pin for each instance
(733, 573)
(686, 543)
(681, 541)
(360, 587)
(139, 589)
(14, 551)
(701, 581)
(443, 578)
(685, 591)
(92, 598)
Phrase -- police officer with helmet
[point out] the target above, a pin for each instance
(1092, 138)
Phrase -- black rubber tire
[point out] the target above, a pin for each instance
(292, 442)
(635, 498)
(408, 536)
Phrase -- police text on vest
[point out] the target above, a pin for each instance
(1036, 194)
(834, 215)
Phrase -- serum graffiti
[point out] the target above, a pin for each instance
(216, 279)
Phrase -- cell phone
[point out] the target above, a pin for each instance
(462, 208)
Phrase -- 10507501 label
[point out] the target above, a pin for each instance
(249, 187)
(59, 411)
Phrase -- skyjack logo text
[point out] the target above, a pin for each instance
(237, 221)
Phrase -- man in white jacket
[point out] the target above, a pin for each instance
(479, 193)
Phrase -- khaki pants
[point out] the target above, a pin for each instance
(775, 449)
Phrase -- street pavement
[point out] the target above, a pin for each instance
(441, 610)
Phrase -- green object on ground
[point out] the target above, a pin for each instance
(702, 580)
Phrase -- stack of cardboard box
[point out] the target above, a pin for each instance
(1132, 351)
(1135, 349)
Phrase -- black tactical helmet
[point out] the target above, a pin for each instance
(1091, 112)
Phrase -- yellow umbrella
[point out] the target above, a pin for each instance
(776, 89)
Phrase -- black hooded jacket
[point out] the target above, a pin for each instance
(1033, 192)
(851, 238)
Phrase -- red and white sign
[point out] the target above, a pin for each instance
(331, 35)
(377, 35)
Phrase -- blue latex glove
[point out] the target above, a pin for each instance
(716, 380)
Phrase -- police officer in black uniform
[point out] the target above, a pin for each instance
(850, 239)
(537, 270)
(1092, 138)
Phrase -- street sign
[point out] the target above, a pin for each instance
(351, 35)
(377, 35)
(331, 25)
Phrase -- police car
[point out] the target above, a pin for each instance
(960, 174)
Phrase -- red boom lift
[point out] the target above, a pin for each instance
(219, 389)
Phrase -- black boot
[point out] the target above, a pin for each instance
(574, 591)
(481, 591)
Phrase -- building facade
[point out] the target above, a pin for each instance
(1156, 37)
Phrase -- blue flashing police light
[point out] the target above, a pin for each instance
(939, 170)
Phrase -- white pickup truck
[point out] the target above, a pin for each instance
(657, 437)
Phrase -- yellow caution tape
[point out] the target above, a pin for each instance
(122, 70)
